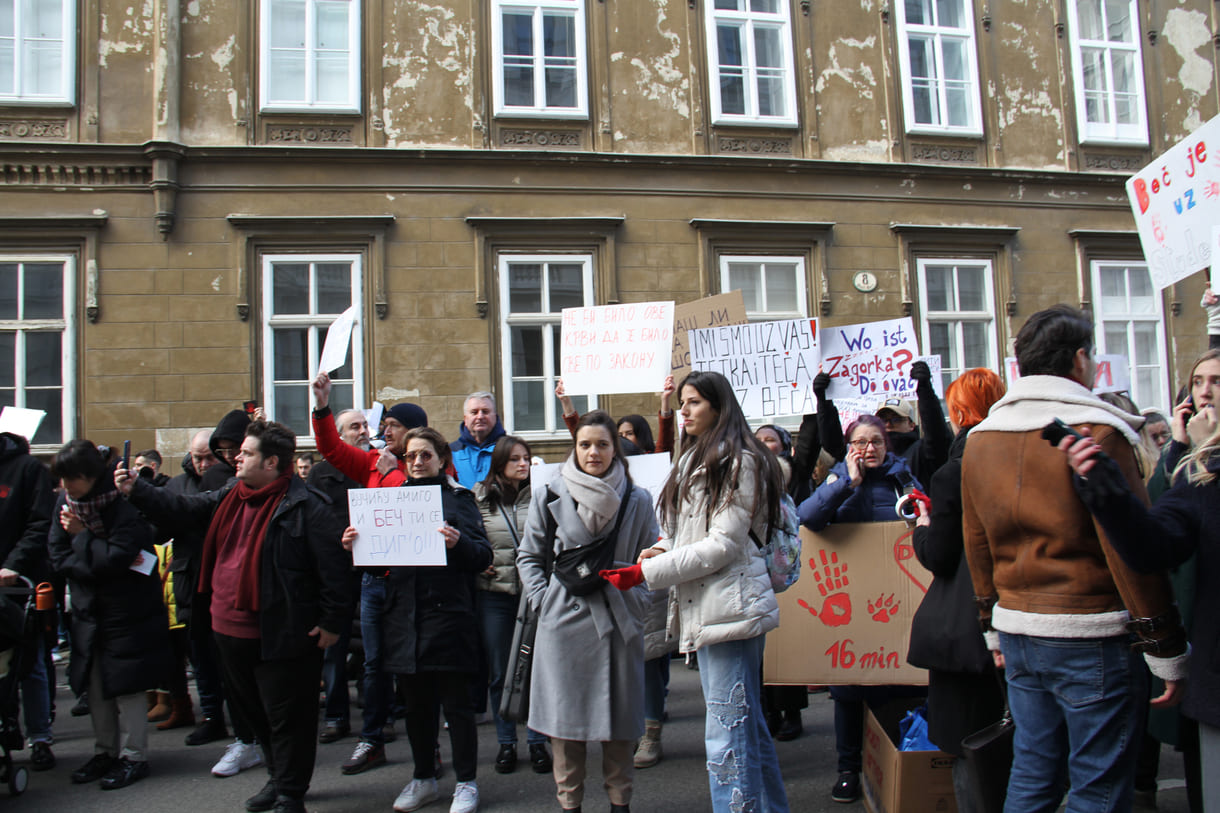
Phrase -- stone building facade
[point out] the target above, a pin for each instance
(192, 190)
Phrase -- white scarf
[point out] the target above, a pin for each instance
(597, 498)
(1033, 400)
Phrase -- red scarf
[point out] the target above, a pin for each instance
(262, 502)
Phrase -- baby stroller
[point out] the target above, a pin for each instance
(18, 646)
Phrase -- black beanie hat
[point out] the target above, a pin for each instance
(409, 415)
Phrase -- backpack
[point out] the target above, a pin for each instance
(783, 549)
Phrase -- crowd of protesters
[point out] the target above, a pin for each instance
(1060, 589)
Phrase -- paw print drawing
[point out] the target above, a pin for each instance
(831, 577)
(884, 608)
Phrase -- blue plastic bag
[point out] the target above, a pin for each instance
(913, 732)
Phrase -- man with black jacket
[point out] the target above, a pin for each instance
(27, 499)
(274, 574)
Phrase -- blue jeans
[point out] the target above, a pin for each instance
(36, 696)
(337, 707)
(656, 686)
(1076, 703)
(378, 684)
(743, 771)
(497, 620)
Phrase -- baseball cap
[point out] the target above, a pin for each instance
(898, 406)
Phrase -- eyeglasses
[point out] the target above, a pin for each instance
(864, 444)
(891, 419)
(227, 452)
(422, 457)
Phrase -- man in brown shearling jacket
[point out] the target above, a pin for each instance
(1061, 610)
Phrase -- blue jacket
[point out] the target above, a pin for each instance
(471, 460)
(836, 501)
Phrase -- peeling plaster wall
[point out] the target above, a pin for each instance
(649, 71)
(126, 95)
(1189, 62)
(214, 90)
(851, 85)
(428, 70)
(1027, 94)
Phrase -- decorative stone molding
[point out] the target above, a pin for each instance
(34, 128)
(308, 134)
(1104, 162)
(545, 139)
(165, 157)
(753, 145)
(944, 154)
(23, 174)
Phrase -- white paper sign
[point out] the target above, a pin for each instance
(20, 421)
(616, 348)
(1176, 202)
(397, 526)
(938, 374)
(1113, 372)
(338, 337)
(770, 365)
(144, 562)
(649, 472)
(870, 361)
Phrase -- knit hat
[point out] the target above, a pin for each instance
(410, 416)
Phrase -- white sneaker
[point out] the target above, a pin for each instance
(465, 798)
(238, 757)
(415, 795)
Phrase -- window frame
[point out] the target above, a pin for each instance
(766, 315)
(959, 317)
(270, 321)
(68, 44)
(538, 10)
(1102, 133)
(310, 104)
(553, 424)
(938, 33)
(1100, 319)
(748, 20)
(68, 327)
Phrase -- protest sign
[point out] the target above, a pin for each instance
(649, 472)
(848, 620)
(770, 365)
(870, 361)
(1176, 201)
(1113, 372)
(711, 311)
(397, 526)
(338, 337)
(938, 377)
(21, 421)
(616, 348)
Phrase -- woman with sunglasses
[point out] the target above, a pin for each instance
(863, 488)
(431, 632)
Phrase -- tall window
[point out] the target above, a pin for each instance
(750, 62)
(310, 55)
(936, 52)
(772, 287)
(37, 51)
(302, 295)
(1106, 63)
(37, 341)
(958, 314)
(540, 58)
(1130, 322)
(534, 290)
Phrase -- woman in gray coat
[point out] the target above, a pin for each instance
(588, 674)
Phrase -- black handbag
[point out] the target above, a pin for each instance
(579, 569)
(515, 699)
(987, 755)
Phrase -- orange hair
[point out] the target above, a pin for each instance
(970, 396)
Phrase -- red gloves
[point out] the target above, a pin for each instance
(923, 503)
(625, 577)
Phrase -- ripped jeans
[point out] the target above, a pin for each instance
(742, 768)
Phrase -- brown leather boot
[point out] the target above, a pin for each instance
(161, 710)
(181, 714)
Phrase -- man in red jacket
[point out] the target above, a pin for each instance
(375, 468)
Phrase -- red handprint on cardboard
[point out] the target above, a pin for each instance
(884, 608)
(830, 577)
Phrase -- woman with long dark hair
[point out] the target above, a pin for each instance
(504, 501)
(587, 683)
(724, 485)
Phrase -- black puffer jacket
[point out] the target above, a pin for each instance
(303, 579)
(118, 614)
(188, 544)
(27, 497)
(429, 621)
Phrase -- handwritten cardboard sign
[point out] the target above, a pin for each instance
(770, 365)
(1176, 201)
(847, 621)
(870, 361)
(397, 526)
(1113, 372)
(616, 348)
(711, 311)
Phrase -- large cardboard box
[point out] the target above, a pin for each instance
(903, 781)
(847, 621)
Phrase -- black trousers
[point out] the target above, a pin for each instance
(426, 693)
(279, 700)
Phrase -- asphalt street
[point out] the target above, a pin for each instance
(181, 779)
